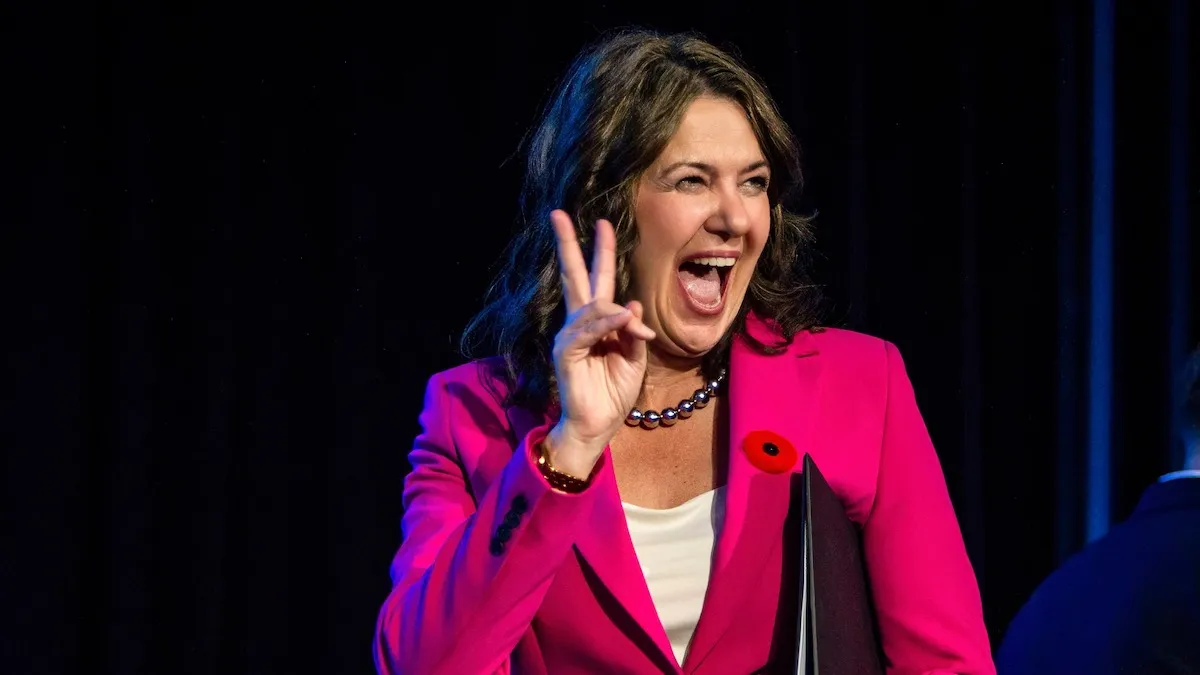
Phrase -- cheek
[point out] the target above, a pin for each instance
(761, 227)
(665, 226)
(756, 241)
(650, 271)
(670, 215)
(646, 267)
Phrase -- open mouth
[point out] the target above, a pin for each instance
(703, 281)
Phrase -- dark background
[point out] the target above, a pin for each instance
(239, 238)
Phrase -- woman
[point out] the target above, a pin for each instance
(608, 493)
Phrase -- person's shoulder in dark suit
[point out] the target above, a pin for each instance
(1130, 601)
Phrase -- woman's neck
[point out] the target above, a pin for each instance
(669, 379)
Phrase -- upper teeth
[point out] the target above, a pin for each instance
(714, 262)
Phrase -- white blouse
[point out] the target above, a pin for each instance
(674, 547)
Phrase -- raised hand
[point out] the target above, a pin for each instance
(600, 353)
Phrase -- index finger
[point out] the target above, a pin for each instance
(572, 269)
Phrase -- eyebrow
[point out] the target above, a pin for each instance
(710, 169)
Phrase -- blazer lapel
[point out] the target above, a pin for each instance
(607, 550)
(764, 395)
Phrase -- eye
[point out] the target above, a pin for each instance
(759, 183)
(690, 183)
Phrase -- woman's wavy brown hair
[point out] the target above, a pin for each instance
(617, 108)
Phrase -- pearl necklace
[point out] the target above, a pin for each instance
(651, 419)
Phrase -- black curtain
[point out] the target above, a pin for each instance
(239, 238)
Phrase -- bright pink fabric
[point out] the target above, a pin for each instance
(566, 595)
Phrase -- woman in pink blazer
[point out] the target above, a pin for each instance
(608, 493)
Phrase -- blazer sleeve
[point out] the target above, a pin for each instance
(470, 573)
(926, 594)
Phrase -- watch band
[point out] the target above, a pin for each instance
(563, 482)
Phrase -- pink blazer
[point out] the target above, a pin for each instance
(498, 573)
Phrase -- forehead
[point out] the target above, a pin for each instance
(713, 131)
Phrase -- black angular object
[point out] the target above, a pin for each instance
(836, 631)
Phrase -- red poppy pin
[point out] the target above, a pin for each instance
(769, 451)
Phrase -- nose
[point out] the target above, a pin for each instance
(729, 217)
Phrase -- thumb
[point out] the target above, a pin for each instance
(635, 334)
(636, 326)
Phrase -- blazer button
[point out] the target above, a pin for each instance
(512, 519)
(503, 534)
(496, 547)
(519, 504)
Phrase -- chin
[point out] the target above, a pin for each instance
(695, 338)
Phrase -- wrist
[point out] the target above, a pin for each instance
(570, 455)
